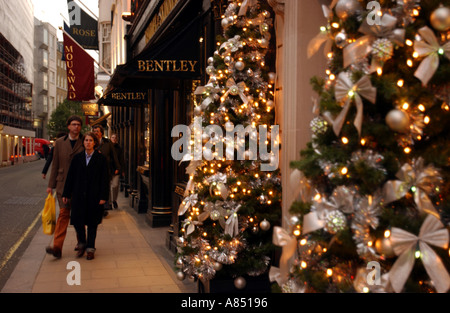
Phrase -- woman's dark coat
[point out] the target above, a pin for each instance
(86, 186)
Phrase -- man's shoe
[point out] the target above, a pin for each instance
(90, 254)
(81, 249)
(115, 205)
(55, 252)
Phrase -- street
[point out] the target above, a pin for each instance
(22, 198)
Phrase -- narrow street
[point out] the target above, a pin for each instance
(22, 198)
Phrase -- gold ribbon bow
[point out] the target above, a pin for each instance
(239, 88)
(322, 37)
(187, 203)
(246, 5)
(430, 49)
(432, 232)
(363, 46)
(208, 91)
(209, 207)
(232, 223)
(417, 178)
(288, 243)
(341, 200)
(232, 45)
(345, 91)
(190, 226)
(219, 181)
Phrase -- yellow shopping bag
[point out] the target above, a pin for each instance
(49, 215)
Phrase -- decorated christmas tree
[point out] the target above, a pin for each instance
(233, 197)
(373, 201)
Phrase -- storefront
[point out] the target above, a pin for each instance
(153, 92)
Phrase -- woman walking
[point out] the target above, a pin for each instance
(87, 185)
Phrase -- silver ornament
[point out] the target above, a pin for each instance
(217, 266)
(214, 215)
(210, 60)
(210, 70)
(181, 276)
(225, 23)
(398, 121)
(294, 220)
(239, 65)
(227, 60)
(335, 222)
(270, 104)
(382, 49)
(250, 72)
(341, 39)
(229, 126)
(318, 125)
(198, 110)
(240, 282)
(234, 90)
(346, 8)
(265, 225)
(272, 77)
(384, 247)
(440, 19)
(264, 43)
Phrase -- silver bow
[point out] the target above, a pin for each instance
(187, 203)
(246, 4)
(345, 91)
(340, 200)
(232, 45)
(288, 243)
(218, 180)
(240, 87)
(232, 223)
(190, 226)
(417, 178)
(322, 37)
(363, 45)
(430, 49)
(432, 232)
(208, 91)
(209, 207)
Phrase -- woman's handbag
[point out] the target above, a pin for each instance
(49, 215)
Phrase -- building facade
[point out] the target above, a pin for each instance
(16, 81)
(61, 74)
(45, 65)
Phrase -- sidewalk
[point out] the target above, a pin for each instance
(131, 257)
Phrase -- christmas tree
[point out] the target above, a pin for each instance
(373, 202)
(233, 197)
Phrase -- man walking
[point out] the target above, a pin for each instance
(106, 148)
(63, 151)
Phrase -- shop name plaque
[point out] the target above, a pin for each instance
(128, 95)
(166, 65)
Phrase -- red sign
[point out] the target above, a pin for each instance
(80, 71)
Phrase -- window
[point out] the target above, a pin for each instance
(51, 47)
(45, 36)
(45, 58)
(44, 104)
(45, 81)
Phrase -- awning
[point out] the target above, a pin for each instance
(100, 119)
(161, 66)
